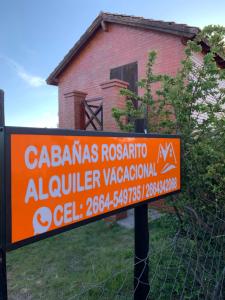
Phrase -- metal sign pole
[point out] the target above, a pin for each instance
(3, 275)
(141, 236)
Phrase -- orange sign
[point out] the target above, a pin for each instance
(60, 180)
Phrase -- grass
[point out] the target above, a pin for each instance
(91, 262)
(78, 264)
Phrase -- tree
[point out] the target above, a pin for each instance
(192, 103)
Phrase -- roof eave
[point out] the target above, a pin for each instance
(183, 33)
(52, 78)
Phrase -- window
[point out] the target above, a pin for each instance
(128, 73)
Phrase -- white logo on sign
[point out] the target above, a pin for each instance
(42, 220)
(167, 155)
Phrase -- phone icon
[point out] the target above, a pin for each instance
(42, 220)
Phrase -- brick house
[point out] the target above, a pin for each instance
(112, 54)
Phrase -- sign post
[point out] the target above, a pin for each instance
(141, 242)
(3, 276)
(71, 178)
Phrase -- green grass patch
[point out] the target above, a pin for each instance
(92, 262)
(89, 262)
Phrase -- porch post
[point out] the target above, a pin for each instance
(73, 116)
(112, 98)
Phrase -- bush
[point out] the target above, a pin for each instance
(192, 103)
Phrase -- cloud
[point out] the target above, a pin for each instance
(34, 81)
(30, 79)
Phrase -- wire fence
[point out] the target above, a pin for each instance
(186, 261)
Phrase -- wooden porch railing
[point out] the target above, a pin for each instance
(93, 113)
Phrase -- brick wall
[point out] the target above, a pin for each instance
(118, 46)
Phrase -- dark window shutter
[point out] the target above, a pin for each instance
(116, 73)
(127, 73)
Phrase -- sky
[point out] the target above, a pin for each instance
(36, 34)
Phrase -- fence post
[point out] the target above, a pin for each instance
(141, 233)
(2, 112)
(3, 276)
